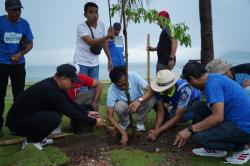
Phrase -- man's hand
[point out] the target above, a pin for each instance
(150, 48)
(124, 139)
(153, 134)
(182, 137)
(16, 57)
(133, 106)
(95, 106)
(110, 32)
(99, 122)
(94, 114)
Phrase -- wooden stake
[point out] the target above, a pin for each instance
(148, 59)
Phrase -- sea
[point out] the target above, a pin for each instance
(37, 73)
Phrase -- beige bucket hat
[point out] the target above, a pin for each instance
(164, 80)
(218, 66)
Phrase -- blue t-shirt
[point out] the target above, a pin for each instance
(220, 88)
(241, 77)
(136, 87)
(116, 51)
(10, 36)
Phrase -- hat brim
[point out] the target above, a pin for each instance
(158, 88)
(75, 79)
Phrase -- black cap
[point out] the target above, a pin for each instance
(68, 70)
(13, 4)
(117, 26)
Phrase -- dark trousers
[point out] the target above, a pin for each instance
(36, 126)
(85, 99)
(16, 73)
(225, 136)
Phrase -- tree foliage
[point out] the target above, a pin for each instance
(139, 14)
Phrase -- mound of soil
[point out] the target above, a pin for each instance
(91, 149)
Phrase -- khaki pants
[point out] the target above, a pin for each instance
(141, 113)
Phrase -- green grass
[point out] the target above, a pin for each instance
(135, 157)
(12, 155)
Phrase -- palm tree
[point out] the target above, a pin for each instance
(207, 49)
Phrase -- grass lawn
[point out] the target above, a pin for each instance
(12, 155)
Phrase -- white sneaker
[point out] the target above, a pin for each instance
(140, 127)
(46, 141)
(58, 130)
(209, 152)
(239, 157)
(37, 145)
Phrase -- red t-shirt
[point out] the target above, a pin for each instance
(86, 81)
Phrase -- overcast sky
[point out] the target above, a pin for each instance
(54, 22)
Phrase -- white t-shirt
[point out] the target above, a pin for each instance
(83, 56)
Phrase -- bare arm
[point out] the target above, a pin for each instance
(97, 93)
(98, 41)
(174, 45)
(215, 118)
(173, 121)
(16, 57)
(124, 139)
(136, 104)
(246, 83)
(159, 115)
(107, 52)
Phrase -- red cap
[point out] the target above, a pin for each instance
(163, 14)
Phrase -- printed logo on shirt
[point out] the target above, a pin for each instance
(118, 41)
(12, 37)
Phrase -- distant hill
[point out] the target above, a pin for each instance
(236, 57)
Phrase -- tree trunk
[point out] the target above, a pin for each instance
(207, 48)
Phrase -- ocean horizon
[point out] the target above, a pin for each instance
(38, 73)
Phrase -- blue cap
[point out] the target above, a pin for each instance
(117, 26)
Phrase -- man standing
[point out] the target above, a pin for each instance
(15, 41)
(91, 39)
(117, 101)
(116, 47)
(223, 123)
(167, 46)
(175, 98)
(37, 112)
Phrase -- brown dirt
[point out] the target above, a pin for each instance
(92, 149)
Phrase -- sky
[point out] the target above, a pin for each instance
(54, 23)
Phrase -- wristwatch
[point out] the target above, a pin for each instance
(140, 99)
(190, 128)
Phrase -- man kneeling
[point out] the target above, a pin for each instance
(37, 112)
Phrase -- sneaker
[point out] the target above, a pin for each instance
(239, 157)
(209, 152)
(57, 130)
(37, 145)
(46, 141)
(140, 127)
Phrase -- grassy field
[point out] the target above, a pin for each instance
(12, 155)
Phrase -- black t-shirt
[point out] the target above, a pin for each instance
(164, 47)
(46, 96)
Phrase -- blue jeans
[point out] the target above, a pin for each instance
(92, 71)
(225, 136)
